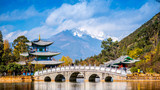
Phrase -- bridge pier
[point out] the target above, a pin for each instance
(66, 80)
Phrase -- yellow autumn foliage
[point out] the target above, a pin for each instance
(6, 45)
(67, 61)
(135, 53)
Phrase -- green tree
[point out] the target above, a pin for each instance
(110, 49)
(20, 46)
(1, 46)
(134, 69)
(2, 69)
(156, 56)
(76, 62)
(14, 68)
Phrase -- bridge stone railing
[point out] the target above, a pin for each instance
(79, 68)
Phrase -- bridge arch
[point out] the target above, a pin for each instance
(94, 78)
(108, 79)
(74, 76)
(59, 78)
(47, 79)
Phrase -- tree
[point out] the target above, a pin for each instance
(20, 46)
(2, 69)
(156, 56)
(84, 62)
(14, 68)
(134, 69)
(67, 60)
(110, 49)
(7, 55)
(1, 46)
(76, 62)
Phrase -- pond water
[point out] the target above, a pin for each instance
(154, 85)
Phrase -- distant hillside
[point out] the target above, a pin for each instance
(74, 46)
(146, 37)
(142, 43)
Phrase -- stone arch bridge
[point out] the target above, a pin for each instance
(89, 73)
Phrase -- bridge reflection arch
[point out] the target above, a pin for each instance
(76, 77)
(108, 79)
(47, 79)
(59, 78)
(94, 78)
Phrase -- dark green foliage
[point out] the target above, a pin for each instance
(20, 39)
(156, 56)
(3, 69)
(76, 62)
(6, 57)
(1, 46)
(19, 46)
(110, 50)
(147, 48)
(14, 68)
(134, 69)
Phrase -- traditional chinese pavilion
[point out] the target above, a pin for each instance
(39, 49)
(121, 62)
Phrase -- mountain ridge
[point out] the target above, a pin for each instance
(145, 36)
(74, 46)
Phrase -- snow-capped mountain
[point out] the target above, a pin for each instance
(74, 44)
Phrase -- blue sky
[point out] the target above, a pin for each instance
(98, 18)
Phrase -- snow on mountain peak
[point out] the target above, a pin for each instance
(77, 34)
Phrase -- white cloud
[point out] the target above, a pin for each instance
(6, 28)
(9, 35)
(44, 31)
(19, 14)
(66, 12)
(13, 35)
(109, 23)
(113, 38)
(94, 18)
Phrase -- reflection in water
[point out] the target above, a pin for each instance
(16, 86)
(81, 86)
(80, 80)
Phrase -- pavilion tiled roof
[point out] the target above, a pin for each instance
(29, 43)
(47, 62)
(39, 43)
(25, 54)
(42, 43)
(44, 53)
(21, 62)
(121, 59)
(41, 62)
